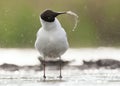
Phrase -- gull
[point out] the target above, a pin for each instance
(51, 41)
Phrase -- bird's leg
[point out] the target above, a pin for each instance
(44, 68)
(60, 67)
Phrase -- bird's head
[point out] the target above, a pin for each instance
(49, 15)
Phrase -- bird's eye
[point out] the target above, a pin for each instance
(49, 17)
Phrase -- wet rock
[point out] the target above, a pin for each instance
(9, 67)
(89, 65)
(108, 63)
(13, 67)
(101, 63)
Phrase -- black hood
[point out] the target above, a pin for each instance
(49, 15)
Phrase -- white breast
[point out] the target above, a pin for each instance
(51, 39)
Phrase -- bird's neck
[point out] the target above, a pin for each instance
(50, 25)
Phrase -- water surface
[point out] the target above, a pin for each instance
(72, 76)
(30, 56)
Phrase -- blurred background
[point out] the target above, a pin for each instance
(94, 50)
(99, 22)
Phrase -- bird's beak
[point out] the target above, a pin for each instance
(59, 13)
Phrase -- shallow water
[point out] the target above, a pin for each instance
(30, 56)
(72, 76)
